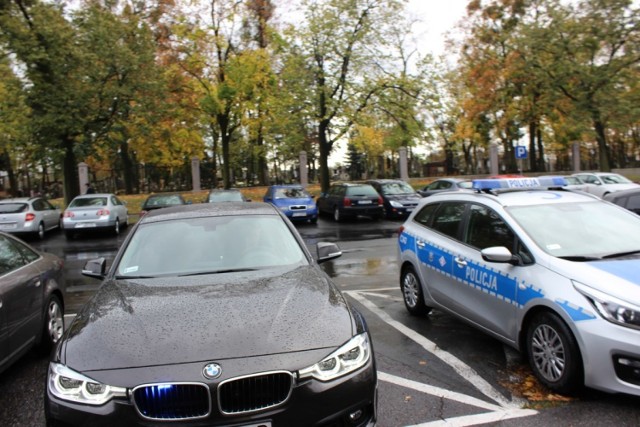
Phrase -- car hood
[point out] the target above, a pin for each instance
(154, 322)
(618, 278)
(620, 187)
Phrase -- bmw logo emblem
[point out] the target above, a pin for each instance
(212, 371)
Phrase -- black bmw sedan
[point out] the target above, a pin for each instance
(214, 315)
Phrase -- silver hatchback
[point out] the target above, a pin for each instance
(95, 212)
(28, 215)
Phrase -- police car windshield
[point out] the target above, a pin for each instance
(210, 245)
(581, 230)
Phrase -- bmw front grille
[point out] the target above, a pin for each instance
(177, 401)
(254, 392)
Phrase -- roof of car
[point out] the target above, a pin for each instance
(545, 193)
(384, 180)
(209, 209)
(17, 199)
(83, 196)
(622, 193)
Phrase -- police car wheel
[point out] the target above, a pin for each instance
(553, 353)
(412, 293)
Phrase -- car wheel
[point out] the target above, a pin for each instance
(412, 293)
(336, 214)
(40, 232)
(314, 220)
(53, 326)
(69, 235)
(553, 353)
(116, 227)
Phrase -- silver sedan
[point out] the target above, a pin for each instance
(94, 212)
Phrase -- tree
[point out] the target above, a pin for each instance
(341, 41)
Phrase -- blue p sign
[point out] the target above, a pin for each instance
(521, 152)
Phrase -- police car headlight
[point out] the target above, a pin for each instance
(70, 385)
(351, 356)
(612, 309)
(395, 204)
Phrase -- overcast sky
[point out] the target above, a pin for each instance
(438, 17)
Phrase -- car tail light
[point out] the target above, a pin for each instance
(29, 217)
(346, 201)
(68, 214)
(380, 201)
(103, 212)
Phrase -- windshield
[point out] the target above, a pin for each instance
(164, 201)
(291, 193)
(590, 229)
(210, 245)
(88, 201)
(400, 187)
(10, 208)
(225, 196)
(614, 179)
(361, 190)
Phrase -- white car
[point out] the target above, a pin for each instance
(551, 272)
(28, 215)
(603, 183)
(94, 212)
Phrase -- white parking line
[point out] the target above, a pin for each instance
(506, 409)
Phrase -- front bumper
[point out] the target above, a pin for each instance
(611, 356)
(311, 403)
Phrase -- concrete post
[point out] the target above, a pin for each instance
(404, 170)
(304, 172)
(575, 156)
(83, 176)
(494, 164)
(195, 174)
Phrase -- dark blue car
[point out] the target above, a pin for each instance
(294, 201)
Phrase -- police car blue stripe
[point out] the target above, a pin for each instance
(577, 314)
(625, 269)
(481, 277)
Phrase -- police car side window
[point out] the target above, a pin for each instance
(424, 216)
(448, 217)
(486, 229)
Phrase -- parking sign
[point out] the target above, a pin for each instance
(521, 152)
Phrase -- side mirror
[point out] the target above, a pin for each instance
(327, 251)
(95, 268)
(499, 254)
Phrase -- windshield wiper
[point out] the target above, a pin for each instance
(579, 258)
(228, 270)
(621, 254)
(134, 277)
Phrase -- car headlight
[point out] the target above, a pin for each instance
(612, 309)
(351, 356)
(395, 204)
(67, 384)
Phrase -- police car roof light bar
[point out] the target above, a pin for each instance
(518, 183)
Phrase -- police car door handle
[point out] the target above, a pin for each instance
(421, 244)
(460, 261)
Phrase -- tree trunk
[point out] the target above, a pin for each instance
(127, 167)
(70, 177)
(603, 152)
(325, 150)
(533, 159)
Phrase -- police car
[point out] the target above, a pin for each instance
(551, 272)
